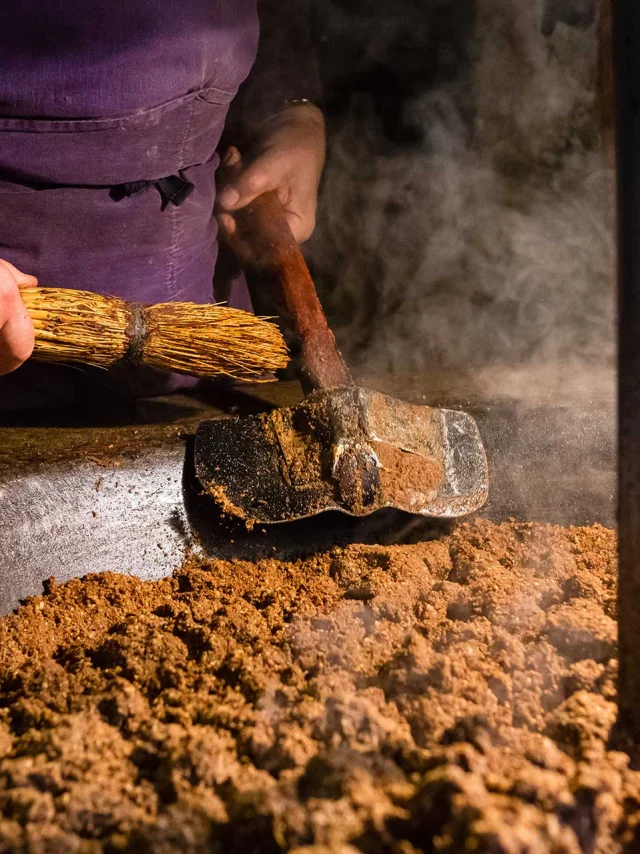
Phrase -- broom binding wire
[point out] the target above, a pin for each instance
(137, 332)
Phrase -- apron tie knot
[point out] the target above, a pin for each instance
(175, 189)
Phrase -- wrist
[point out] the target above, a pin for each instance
(300, 114)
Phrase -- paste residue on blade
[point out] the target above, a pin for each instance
(407, 478)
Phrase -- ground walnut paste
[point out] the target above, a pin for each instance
(451, 696)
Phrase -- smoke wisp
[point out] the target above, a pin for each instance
(487, 237)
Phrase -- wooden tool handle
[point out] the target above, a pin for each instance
(265, 242)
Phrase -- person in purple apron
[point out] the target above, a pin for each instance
(111, 118)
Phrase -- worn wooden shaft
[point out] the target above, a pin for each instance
(626, 61)
(266, 244)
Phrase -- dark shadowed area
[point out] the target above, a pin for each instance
(465, 215)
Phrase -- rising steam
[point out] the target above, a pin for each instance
(488, 237)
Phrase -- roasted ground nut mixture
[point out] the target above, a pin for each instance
(451, 696)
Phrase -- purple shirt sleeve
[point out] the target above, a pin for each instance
(286, 68)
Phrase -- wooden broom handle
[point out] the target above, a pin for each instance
(265, 242)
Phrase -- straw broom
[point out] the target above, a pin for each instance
(201, 340)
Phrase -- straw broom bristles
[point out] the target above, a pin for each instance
(201, 340)
(76, 326)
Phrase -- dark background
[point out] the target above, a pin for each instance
(465, 211)
(387, 54)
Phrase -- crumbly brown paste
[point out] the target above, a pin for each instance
(451, 696)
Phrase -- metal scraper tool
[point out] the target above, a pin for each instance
(343, 447)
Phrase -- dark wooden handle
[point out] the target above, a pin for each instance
(265, 243)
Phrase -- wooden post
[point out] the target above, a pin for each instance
(605, 77)
(626, 62)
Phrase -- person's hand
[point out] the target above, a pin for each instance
(287, 158)
(16, 328)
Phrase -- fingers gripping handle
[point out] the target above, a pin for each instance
(265, 242)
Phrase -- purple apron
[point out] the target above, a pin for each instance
(110, 116)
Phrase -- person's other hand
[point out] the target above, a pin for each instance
(287, 158)
(17, 338)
